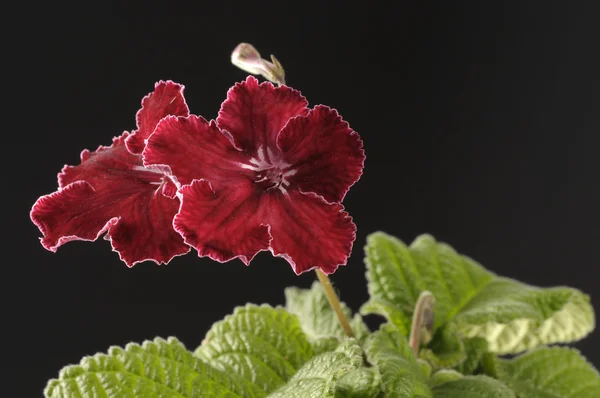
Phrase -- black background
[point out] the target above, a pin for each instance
(481, 126)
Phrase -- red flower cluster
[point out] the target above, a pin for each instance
(268, 174)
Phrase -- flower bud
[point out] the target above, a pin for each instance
(247, 58)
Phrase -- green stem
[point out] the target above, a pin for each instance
(334, 301)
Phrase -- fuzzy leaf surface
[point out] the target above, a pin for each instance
(388, 351)
(473, 387)
(155, 369)
(262, 344)
(550, 372)
(510, 315)
(318, 377)
(318, 321)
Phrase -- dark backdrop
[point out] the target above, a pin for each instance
(480, 124)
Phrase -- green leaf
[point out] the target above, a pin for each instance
(397, 274)
(444, 376)
(475, 349)
(473, 387)
(390, 312)
(158, 368)
(317, 319)
(510, 315)
(445, 350)
(359, 383)
(514, 317)
(263, 345)
(401, 375)
(318, 377)
(556, 372)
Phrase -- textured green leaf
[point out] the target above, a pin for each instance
(510, 315)
(319, 376)
(475, 349)
(317, 319)
(359, 383)
(445, 350)
(401, 375)
(262, 344)
(390, 312)
(397, 274)
(156, 369)
(514, 317)
(473, 387)
(444, 376)
(555, 372)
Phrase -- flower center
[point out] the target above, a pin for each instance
(269, 179)
(271, 171)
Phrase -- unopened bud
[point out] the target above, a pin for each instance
(421, 331)
(248, 59)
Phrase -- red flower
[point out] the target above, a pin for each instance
(111, 191)
(267, 175)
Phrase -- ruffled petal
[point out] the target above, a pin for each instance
(194, 149)
(255, 113)
(309, 232)
(223, 224)
(325, 154)
(112, 192)
(166, 99)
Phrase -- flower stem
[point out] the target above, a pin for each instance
(334, 301)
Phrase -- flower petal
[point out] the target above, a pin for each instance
(255, 113)
(223, 224)
(166, 99)
(194, 149)
(326, 155)
(111, 191)
(309, 232)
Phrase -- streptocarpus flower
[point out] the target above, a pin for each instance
(267, 175)
(111, 191)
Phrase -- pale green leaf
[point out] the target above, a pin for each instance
(359, 383)
(262, 344)
(318, 377)
(444, 376)
(514, 317)
(550, 372)
(156, 369)
(473, 387)
(510, 315)
(401, 375)
(318, 320)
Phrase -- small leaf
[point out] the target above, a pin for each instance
(473, 387)
(263, 345)
(556, 372)
(397, 274)
(514, 317)
(510, 315)
(155, 369)
(401, 375)
(359, 383)
(318, 377)
(390, 312)
(444, 376)
(318, 321)
(446, 350)
(475, 349)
